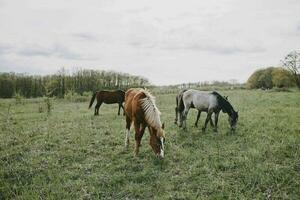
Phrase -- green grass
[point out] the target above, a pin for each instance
(70, 154)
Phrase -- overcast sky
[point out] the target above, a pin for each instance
(166, 41)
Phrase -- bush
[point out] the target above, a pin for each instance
(269, 78)
(48, 104)
(75, 97)
(87, 94)
(19, 98)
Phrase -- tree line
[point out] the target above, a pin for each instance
(80, 81)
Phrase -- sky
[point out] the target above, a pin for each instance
(166, 41)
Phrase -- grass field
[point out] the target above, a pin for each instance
(70, 154)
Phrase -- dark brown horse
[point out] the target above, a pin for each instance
(108, 97)
(140, 109)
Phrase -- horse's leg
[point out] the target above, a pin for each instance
(216, 121)
(119, 109)
(95, 112)
(211, 121)
(184, 117)
(208, 117)
(180, 119)
(123, 109)
(198, 116)
(128, 124)
(139, 132)
(176, 115)
(142, 132)
(137, 137)
(97, 107)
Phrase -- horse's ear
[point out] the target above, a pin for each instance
(163, 126)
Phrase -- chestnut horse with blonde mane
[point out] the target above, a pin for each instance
(140, 109)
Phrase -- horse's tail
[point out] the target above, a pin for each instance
(92, 99)
(181, 104)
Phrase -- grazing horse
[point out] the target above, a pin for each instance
(140, 109)
(108, 97)
(210, 102)
(180, 107)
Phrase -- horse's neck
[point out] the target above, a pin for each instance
(228, 109)
(155, 130)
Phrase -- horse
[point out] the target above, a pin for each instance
(179, 109)
(210, 102)
(140, 109)
(108, 97)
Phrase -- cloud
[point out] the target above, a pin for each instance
(216, 48)
(57, 50)
(85, 36)
(157, 36)
(298, 27)
(4, 48)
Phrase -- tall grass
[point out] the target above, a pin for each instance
(71, 154)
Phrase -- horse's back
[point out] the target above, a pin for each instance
(132, 97)
(109, 97)
(201, 100)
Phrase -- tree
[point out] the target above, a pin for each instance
(261, 78)
(281, 78)
(270, 77)
(292, 63)
(6, 87)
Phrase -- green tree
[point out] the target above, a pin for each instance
(6, 87)
(269, 77)
(282, 78)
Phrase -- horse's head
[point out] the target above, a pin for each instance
(232, 119)
(158, 145)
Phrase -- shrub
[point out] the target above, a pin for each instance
(75, 97)
(48, 104)
(19, 98)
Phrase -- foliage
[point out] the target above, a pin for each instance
(48, 104)
(57, 85)
(74, 97)
(282, 78)
(71, 154)
(19, 98)
(292, 63)
(269, 77)
(6, 87)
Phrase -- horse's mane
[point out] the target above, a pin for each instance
(224, 104)
(152, 114)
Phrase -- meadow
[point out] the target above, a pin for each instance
(71, 154)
